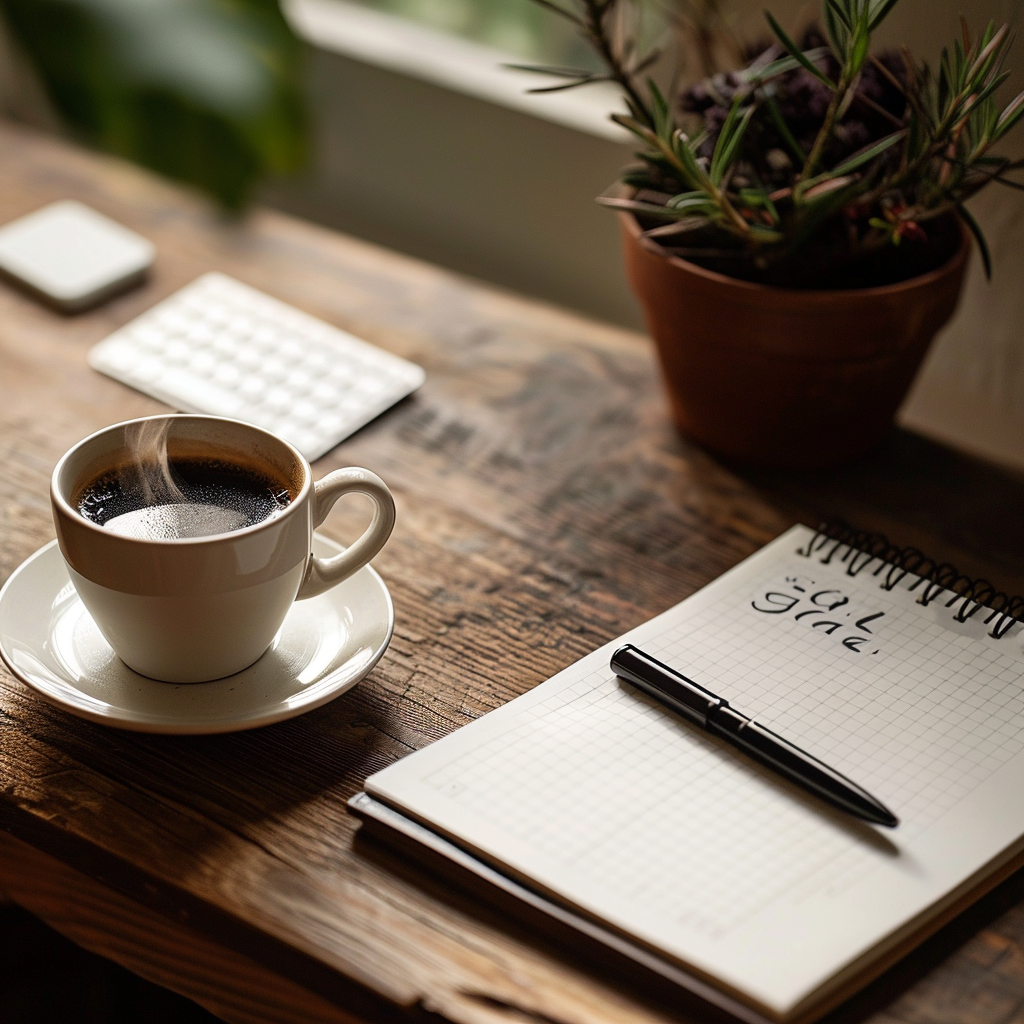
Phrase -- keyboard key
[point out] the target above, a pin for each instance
(300, 381)
(201, 335)
(278, 398)
(291, 349)
(204, 363)
(245, 356)
(306, 412)
(326, 393)
(203, 394)
(228, 375)
(178, 352)
(252, 388)
(273, 369)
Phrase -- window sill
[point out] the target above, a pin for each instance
(402, 46)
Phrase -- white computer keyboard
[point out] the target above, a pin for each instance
(219, 346)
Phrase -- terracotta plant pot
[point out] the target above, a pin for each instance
(786, 377)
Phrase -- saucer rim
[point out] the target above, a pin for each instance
(210, 727)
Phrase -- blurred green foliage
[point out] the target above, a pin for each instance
(519, 27)
(203, 91)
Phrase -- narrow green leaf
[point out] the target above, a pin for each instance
(837, 31)
(634, 110)
(979, 98)
(794, 51)
(680, 146)
(686, 195)
(702, 204)
(725, 154)
(660, 108)
(979, 130)
(983, 63)
(725, 135)
(674, 153)
(1009, 117)
(680, 227)
(575, 84)
(825, 188)
(945, 81)
(859, 53)
(879, 12)
(636, 127)
(863, 22)
(761, 76)
(867, 154)
(550, 69)
(969, 106)
(648, 209)
(836, 10)
(632, 123)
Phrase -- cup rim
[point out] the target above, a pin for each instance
(67, 509)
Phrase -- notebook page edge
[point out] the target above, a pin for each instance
(891, 948)
(423, 832)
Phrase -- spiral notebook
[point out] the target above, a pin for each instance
(585, 797)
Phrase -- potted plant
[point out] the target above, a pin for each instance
(795, 229)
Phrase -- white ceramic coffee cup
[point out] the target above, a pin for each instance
(196, 609)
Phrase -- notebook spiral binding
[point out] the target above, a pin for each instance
(861, 550)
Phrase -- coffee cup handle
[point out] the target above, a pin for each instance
(324, 573)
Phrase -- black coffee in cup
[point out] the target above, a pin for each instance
(182, 498)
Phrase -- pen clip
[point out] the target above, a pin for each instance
(666, 685)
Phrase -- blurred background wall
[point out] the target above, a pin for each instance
(424, 143)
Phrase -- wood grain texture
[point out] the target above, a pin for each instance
(545, 504)
(155, 947)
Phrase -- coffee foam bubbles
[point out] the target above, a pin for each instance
(176, 522)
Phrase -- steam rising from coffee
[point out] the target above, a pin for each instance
(152, 477)
(156, 497)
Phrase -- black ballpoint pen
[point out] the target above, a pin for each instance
(711, 712)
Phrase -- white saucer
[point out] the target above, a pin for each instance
(326, 645)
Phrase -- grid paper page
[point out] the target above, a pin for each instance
(595, 792)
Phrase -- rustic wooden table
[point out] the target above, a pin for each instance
(545, 505)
